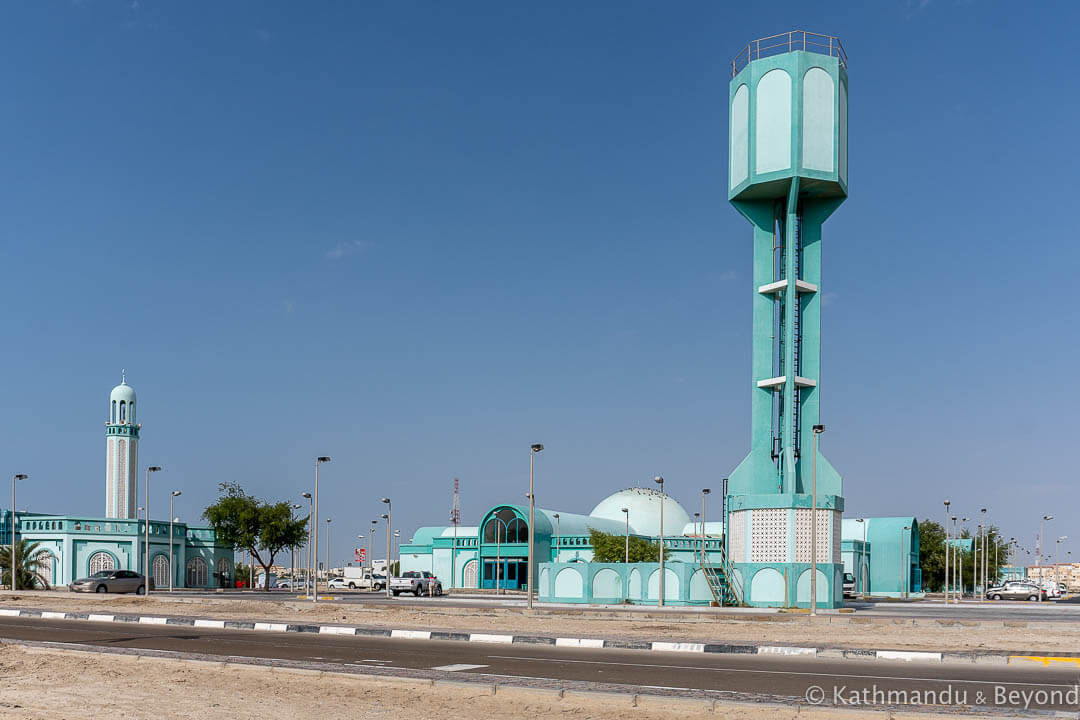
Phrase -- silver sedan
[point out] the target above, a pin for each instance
(111, 581)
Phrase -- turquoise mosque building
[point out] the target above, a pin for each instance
(74, 546)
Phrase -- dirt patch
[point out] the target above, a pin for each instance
(45, 685)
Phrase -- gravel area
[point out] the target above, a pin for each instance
(823, 631)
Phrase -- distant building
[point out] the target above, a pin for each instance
(75, 546)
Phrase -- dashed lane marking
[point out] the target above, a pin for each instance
(459, 667)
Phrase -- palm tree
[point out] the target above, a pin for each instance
(31, 560)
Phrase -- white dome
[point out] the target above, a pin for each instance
(122, 392)
(644, 507)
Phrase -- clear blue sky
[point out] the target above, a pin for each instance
(419, 238)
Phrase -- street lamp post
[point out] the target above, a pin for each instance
(389, 517)
(311, 514)
(704, 493)
(982, 575)
(172, 497)
(862, 556)
(659, 480)
(953, 553)
(328, 521)
(533, 449)
(626, 512)
(14, 574)
(947, 504)
(146, 545)
(1057, 550)
(557, 534)
(292, 559)
(1041, 574)
(371, 550)
(818, 429)
(905, 576)
(315, 529)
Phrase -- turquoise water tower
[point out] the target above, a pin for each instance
(788, 173)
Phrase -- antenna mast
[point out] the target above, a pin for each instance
(455, 518)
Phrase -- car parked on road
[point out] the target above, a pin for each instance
(416, 582)
(112, 581)
(1017, 590)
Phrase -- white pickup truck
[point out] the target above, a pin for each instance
(417, 582)
(362, 578)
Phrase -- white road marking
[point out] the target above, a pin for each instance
(146, 620)
(99, 618)
(271, 627)
(456, 668)
(486, 638)
(579, 642)
(414, 634)
(210, 623)
(679, 647)
(956, 681)
(46, 615)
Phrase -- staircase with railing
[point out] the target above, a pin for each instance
(723, 582)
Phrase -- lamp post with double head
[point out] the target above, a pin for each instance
(388, 516)
(818, 429)
(14, 573)
(310, 530)
(533, 449)
(146, 543)
(1057, 550)
(659, 480)
(315, 529)
(172, 518)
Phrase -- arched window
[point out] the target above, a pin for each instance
(470, 580)
(161, 571)
(499, 527)
(101, 561)
(223, 572)
(196, 572)
(123, 411)
(131, 412)
(44, 562)
(517, 531)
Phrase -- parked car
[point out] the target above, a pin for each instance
(849, 585)
(337, 584)
(112, 581)
(417, 582)
(1017, 590)
(360, 578)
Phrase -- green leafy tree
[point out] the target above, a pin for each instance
(611, 548)
(263, 529)
(30, 559)
(932, 556)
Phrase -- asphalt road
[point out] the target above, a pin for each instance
(707, 674)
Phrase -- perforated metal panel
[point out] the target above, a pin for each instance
(802, 535)
(769, 535)
(828, 535)
(737, 539)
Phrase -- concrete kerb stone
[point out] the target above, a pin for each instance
(988, 658)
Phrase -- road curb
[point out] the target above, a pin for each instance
(1026, 658)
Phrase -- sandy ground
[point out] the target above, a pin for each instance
(46, 684)
(826, 630)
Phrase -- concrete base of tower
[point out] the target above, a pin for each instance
(788, 584)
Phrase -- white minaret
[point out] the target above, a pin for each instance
(121, 452)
